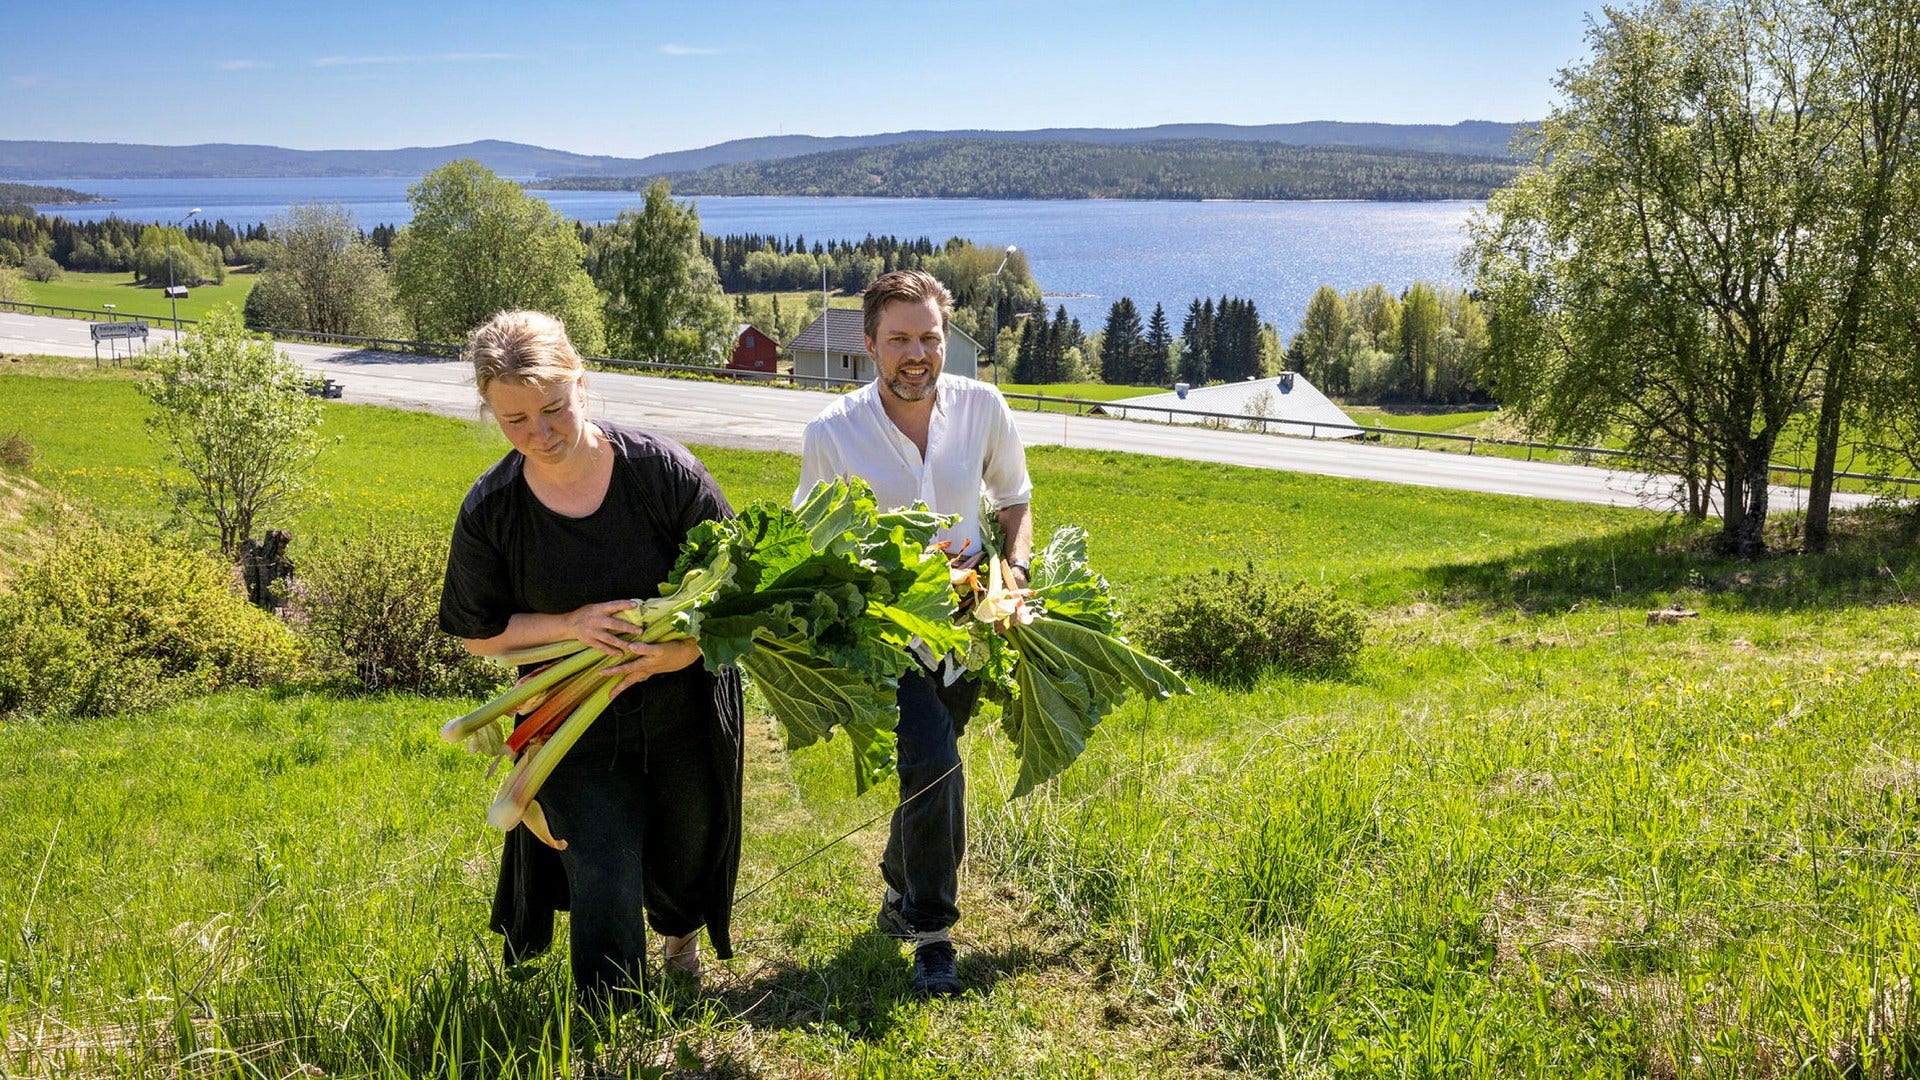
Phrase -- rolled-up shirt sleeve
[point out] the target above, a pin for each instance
(1004, 479)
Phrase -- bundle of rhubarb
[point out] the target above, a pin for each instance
(818, 605)
(1052, 655)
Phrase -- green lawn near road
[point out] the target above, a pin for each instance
(1081, 391)
(1458, 423)
(1528, 834)
(93, 291)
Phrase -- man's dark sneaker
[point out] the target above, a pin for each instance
(892, 919)
(934, 974)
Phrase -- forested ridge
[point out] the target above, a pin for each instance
(1185, 169)
(37, 194)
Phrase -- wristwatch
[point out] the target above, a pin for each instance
(1026, 571)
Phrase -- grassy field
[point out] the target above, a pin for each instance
(95, 290)
(1527, 835)
(1453, 423)
(797, 301)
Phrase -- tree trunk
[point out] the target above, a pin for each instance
(1826, 451)
(1733, 506)
(1751, 537)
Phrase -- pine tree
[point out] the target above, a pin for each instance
(1060, 337)
(1196, 343)
(1028, 361)
(1120, 347)
(1155, 361)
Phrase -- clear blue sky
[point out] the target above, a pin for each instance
(639, 78)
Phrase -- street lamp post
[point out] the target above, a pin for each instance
(173, 297)
(994, 344)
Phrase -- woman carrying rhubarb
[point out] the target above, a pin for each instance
(576, 521)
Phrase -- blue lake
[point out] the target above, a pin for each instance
(1087, 252)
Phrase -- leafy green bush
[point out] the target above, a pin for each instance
(1235, 626)
(372, 610)
(109, 622)
(40, 268)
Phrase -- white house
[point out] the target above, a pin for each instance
(1286, 403)
(834, 347)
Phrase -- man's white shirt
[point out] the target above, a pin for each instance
(973, 452)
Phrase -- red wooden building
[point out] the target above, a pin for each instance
(753, 350)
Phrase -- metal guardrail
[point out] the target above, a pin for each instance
(1257, 423)
(1082, 406)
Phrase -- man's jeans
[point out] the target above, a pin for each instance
(928, 837)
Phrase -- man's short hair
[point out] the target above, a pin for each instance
(911, 286)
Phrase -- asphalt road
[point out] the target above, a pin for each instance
(728, 414)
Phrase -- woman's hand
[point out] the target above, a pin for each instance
(600, 626)
(650, 660)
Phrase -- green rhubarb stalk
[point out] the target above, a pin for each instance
(539, 654)
(533, 769)
(457, 730)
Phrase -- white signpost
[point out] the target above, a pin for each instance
(113, 333)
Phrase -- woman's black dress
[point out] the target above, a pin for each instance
(649, 799)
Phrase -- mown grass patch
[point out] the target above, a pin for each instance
(1459, 423)
(1526, 833)
(93, 290)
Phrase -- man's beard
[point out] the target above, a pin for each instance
(899, 388)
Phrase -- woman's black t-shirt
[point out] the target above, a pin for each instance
(512, 554)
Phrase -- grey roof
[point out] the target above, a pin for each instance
(847, 329)
(1292, 405)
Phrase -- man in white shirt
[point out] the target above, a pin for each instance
(917, 434)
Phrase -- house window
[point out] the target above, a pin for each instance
(747, 339)
(846, 362)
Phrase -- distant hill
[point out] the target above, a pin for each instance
(22, 160)
(1165, 169)
(38, 160)
(1473, 138)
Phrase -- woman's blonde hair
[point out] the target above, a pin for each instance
(524, 347)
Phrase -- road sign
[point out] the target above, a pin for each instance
(111, 331)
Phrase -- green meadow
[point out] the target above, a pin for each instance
(94, 290)
(1526, 834)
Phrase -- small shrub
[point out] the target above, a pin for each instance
(15, 451)
(1235, 626)
(372, 610)
(109, 622)
(40, 268)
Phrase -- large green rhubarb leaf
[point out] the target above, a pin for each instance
(810, 699)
